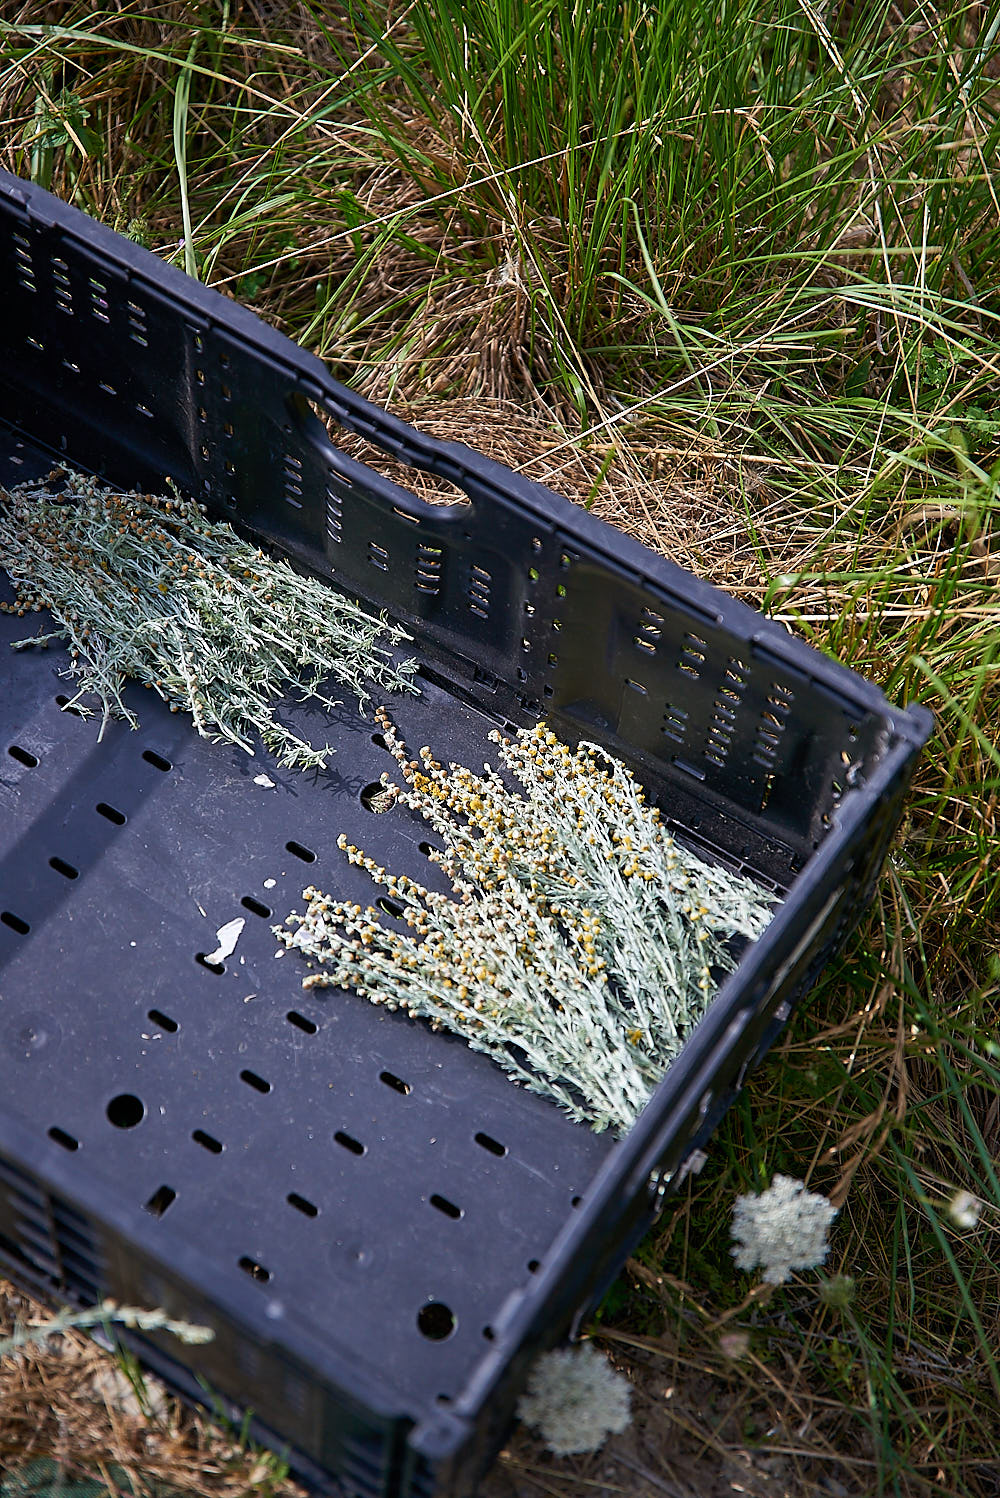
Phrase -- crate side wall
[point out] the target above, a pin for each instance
(112, 370)
(634, 1189)
(51, 1248)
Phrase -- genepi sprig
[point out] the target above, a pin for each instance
(148, 587)
(581, 941)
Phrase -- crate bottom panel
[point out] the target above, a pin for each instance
(391, 1188)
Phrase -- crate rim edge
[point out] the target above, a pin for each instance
(672, 579)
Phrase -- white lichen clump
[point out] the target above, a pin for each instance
(581, 942)
(575, 1400)
(146, 587)
(783, 1229)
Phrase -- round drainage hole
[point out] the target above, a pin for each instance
(376, 797)
(436, 1321)
(126, 1110)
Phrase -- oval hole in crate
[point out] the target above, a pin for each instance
(254, 1270)
(213, 967)
(301, 851)
(207, 1142)
(66, 705)
(59, 1136)
(164, 1021)
(256, 907)
(126, 1110)
(111, 813)
(390, 907)
(23, 756)
(375, 797)
(307, 1026)
(396, 1083)
(65, 869)
(348, 1143)
(161, 1199)
(436, 1321)
(156, 760)
(301, 1204)
(259, 1084)
(14, 922)
(443, 1205)
(487, 1142)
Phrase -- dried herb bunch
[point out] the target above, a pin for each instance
(582, 941)
(146, 586)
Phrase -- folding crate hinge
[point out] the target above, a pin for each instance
(10, 189)
(662, 1182)
(39, 214)
(657, 1189)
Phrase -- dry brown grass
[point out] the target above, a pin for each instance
(69, 1400)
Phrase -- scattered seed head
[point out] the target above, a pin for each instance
(964, 1210)
(837, 1292)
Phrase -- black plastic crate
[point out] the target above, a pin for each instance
(381, 1230)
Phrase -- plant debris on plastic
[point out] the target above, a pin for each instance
(581, 942)
(146, 586)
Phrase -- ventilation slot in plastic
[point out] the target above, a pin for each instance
(674, 723)
(334, 516)
(479, 591)
(649, 632)
(293, 481)
(57, 1240)
(692, 656)
(428, 569)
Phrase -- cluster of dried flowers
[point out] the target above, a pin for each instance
(581, 942)
(782, 1229)
(146, 587)
(575, 1400)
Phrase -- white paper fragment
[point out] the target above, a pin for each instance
(264, 780)
(270, 883)
(227, 936)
